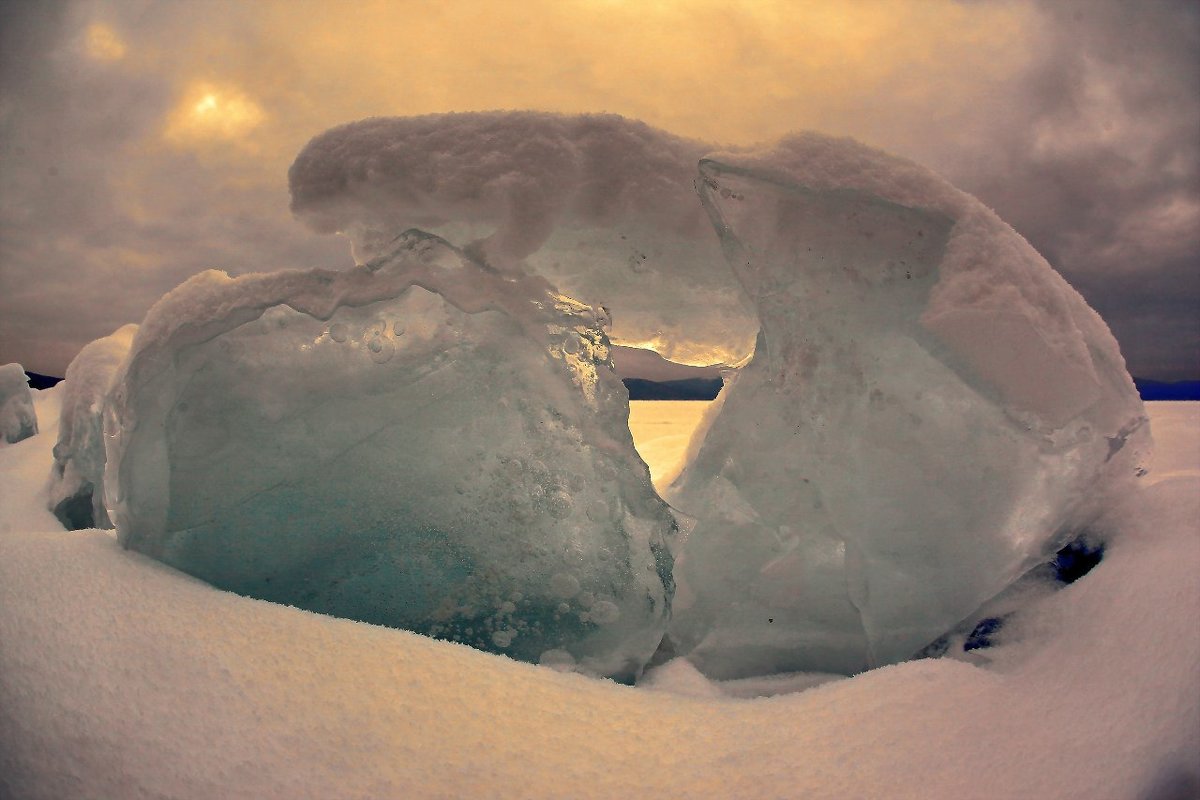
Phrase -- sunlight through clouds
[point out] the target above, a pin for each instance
(208, 112)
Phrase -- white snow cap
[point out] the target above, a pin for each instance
(522, 172)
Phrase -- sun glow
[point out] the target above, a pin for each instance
(208, 112)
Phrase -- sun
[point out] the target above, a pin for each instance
(210, 113)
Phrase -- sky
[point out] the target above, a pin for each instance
(142, 142)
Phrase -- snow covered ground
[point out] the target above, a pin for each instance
(122, 678)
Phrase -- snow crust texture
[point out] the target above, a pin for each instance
(120, 677)
(18, 419)
(418, 442)
(76, 488)
(922, 408)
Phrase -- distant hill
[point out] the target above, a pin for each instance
(39, 381)
(1161, 390)
(686, 389)
(707, 388)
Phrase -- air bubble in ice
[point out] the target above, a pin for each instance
(559, 660)
(558, 503)
(339, 332)
(380, 349)
(564, 584)
(605, 612)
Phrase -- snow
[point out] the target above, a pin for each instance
(18, 419)
(120, 677)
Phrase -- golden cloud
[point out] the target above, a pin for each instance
(103, 43)
(210, 113)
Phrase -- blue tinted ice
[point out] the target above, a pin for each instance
(417, 443)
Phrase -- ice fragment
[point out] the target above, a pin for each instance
(18, 420)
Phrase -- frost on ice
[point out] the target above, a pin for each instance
(18, 420)
(417, 442)
(924, 409)
(76, 488)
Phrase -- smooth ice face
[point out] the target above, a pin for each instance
(18, 419)
(75, 493)
(870, 480)
(417, 443)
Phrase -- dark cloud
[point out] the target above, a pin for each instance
(1099, 167)
(1078, 121)
(98, 218)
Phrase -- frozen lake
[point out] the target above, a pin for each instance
(661, 432)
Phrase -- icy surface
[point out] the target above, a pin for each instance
(18, 420)
(419, 443)
(603, 206)
(122, 678)
(928, 411)
(76, 488)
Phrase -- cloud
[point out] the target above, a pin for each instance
(1099, 168)
(1077, 121)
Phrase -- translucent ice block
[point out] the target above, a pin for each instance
(418, 442)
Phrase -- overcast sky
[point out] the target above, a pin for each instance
(143, 141)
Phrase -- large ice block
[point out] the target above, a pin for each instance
(75, 493)
(18, 419)
(418, 442)
(928, 408)
(930, 411)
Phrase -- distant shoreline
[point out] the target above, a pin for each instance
(708, 388)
